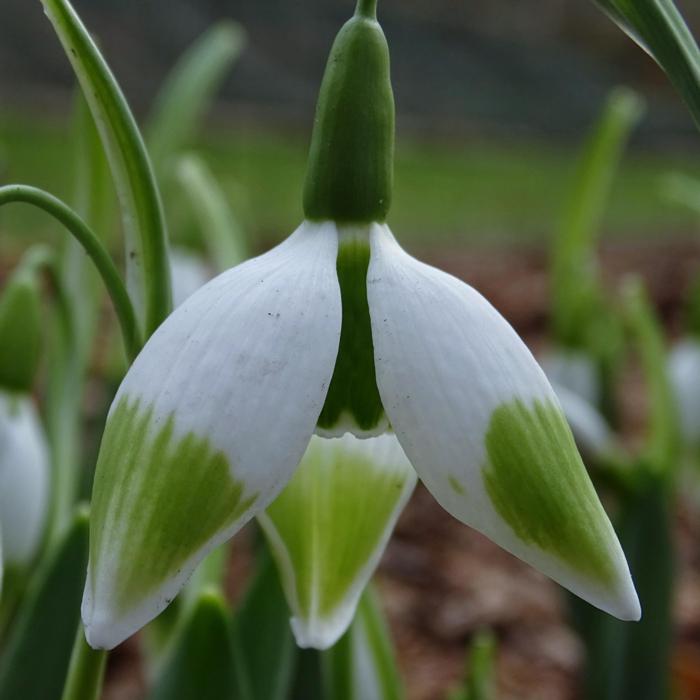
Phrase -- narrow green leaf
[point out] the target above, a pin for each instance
(86, 671)
(575, 277)
(480, 678)
(189, 89)
(216, 221)
(199, 667)
(148, 272)
(35, 661)
(361, 666)
(92, 246)
(265, 652)
(581, 315)
(631, 661)
(658, 27)
(663, 446)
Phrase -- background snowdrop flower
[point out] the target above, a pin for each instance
(24, 479)
(335, 330)
(684, 375)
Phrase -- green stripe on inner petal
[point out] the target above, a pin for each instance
(538, 484)
(157, 500)
(353, 391)
(330, 518)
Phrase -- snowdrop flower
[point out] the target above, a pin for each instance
(24, 457)
(336, 330)
(24, 479)
(684, 375)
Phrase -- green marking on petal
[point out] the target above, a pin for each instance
(330, 520)
(353, 390)
(456, 486)
(539, 486)
(157, 500)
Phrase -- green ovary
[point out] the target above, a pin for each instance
(538, 484)
(330, 519)
(353, 389)
(157, 500)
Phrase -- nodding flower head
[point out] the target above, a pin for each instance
(336, 331)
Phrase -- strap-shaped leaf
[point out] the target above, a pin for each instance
(361, 666)
(631, 661)
(189, 88)
(265, 653)
(663, 442)
(35, 662)
(658, 27)
(222, 233)
(199, 667)
(142, 214)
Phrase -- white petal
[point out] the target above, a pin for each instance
(188, 272)
(209, 425)
(684, 374)
(483, 428)
(329, 527)
(24, 479)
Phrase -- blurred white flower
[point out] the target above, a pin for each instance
(24, 479)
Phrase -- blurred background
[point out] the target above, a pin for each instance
(494, 101)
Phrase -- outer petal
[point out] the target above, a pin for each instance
(208, 426)
(329, 527)
(684, 374)
(24, 479)
(483, 428)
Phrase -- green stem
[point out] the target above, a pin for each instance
(86, 671)
(147, 263)
(93, 247)
(366, 8)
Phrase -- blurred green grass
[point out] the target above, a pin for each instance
(447, 194)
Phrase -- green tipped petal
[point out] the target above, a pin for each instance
(175, 494)
(20, 331)
(539, 486)
(328, 529)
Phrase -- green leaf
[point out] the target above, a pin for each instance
(265, 652)
(199, 667)
(35, 661)
(662, 451)
(219, 227)
(479, 683)
(189, 88)
(148, 271)
(658, 27)
(631, 661)
(361, 666)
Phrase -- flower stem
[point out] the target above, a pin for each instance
(367, 8)
(86, 671)
(93, 247)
